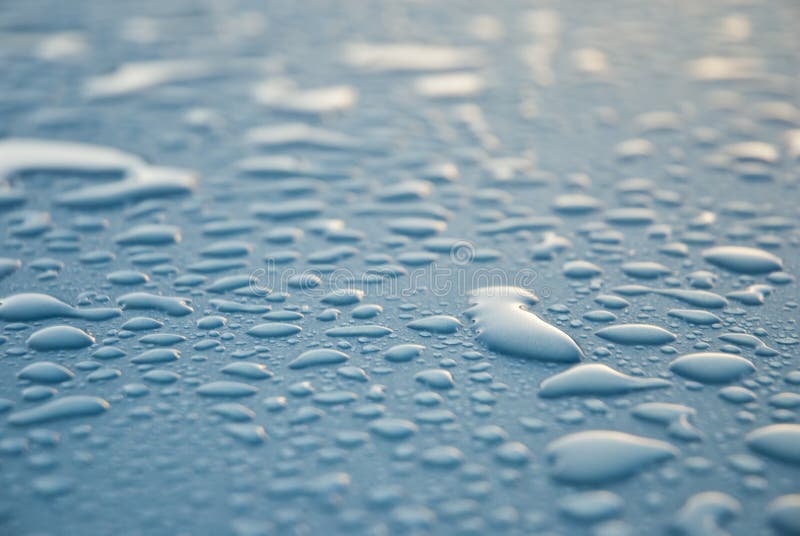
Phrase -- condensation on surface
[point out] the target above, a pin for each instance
(399, 268)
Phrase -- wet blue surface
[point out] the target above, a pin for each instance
(451, 268)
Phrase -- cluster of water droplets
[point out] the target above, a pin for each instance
(525, 282)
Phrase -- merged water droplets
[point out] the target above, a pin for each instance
(45, 372)
(55, 338)
(706, 512)
(712, 367)
(601, 456)
(67, 407)
(504, 324)
(743, 259)
(636, 334)
(319, 357)
(777, 441)
(29, 307)
(597, 380)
